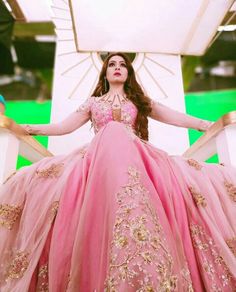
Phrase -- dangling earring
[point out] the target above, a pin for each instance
(105, 84)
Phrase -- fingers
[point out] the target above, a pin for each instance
(205, 125)
(27, 128)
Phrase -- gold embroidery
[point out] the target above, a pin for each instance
(82, 152)
(197, 197)
(214, 269)
(54, 209)
(9, 214)
(186, 276)
(194, 163)
(231, 190)
(18, 266)
(42, 285)
(139, 255)
(51, 172)
(208, 267)
(232, 244)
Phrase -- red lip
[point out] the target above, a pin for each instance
(117, 74)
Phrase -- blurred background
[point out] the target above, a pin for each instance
(27, 51)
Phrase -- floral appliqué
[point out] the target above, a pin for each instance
(9, 214)
(83, 152)
(54, 209)
(231, 242)
(214, 268)
(51, 172)
(198, 198)
(231, 190)
(18, 265)
(42, 285)
(139, 255)
(194, 163)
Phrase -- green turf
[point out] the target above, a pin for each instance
(209, 105)
(29, 112)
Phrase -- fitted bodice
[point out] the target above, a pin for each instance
(101, 112)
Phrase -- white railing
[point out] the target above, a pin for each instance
(14, 142)
(220, 139)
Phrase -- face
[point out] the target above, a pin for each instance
(116, 70)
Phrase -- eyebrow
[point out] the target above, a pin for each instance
(116, 61)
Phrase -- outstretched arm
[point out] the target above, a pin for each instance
(167, 115)
(74, 121)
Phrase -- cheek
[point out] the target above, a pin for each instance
(126, 74)
(109, 72)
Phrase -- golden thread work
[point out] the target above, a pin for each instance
(198, 198)
(54, 209)
(42, 284)
(18, 266)
(9, 214)
(51, 172)
(231, 190)
(139, 255)
(214, 268)
(231, 242)
(194, 163)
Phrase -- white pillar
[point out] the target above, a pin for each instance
(226, 145)
(8, 154)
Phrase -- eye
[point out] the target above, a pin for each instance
(123, 65)
(111, 64)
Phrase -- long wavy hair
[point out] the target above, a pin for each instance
(133, 92)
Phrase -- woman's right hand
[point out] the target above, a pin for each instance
(204, 125)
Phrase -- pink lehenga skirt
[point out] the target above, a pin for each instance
(118, 215)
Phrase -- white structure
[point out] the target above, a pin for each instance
(12, 143)
(163, 26)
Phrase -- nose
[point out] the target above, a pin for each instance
(117, 67)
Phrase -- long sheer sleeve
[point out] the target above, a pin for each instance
(167, 115)
(74, 121)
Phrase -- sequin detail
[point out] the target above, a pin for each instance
(198, 198)
(42, 284)
(214, 269)
(54, 209)
(83, 152)
(102, 113)
(18, 266)
(194, 163)
(139, 255)
(51, 172)
(231, 190)
(231, 242)
(9, 214)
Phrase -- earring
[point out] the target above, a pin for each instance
(105, 84)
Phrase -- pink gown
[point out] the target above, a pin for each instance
(118, 215)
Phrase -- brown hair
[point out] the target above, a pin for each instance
(133, 92)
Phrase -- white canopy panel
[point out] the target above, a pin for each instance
(163, 26)
(35, 11)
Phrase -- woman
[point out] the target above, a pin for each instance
(118, 214)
